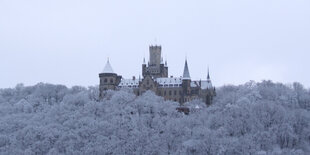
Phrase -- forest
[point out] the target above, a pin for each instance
(253, 118)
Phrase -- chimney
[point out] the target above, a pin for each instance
(133, 78)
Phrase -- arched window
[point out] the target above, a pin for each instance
(105, 80)
(111, 80)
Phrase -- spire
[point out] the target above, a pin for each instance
(144, 60)
(208, 77)
(162, 60)
(186, 72)
(108, 68)
(166, 64)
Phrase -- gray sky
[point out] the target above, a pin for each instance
(68, 41)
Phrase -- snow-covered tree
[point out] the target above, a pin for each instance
(254, 118)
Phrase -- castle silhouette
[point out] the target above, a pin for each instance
(155, 77)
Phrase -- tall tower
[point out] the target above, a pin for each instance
(210, 92)
(186, 83)
(155, 67)
(155, 55)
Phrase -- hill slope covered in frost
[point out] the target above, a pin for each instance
(254, 118)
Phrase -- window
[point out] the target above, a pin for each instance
(170, 93)
(175, 92)
(147, 81)
(111, 80)
(165, 93)
(105, 80)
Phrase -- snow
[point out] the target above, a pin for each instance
(108, 68)
(206, 84)
(263, 118)
(169, 82)
(129, 83)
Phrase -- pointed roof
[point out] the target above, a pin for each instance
(186, 71)
(208, 77)
(108, 68)
(144, 60)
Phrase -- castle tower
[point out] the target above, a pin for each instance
(155, 55)
(108, 79)
(155, 67)
(210, 90)
(144, 69)
(186, 83)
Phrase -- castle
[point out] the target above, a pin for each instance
(155, 77)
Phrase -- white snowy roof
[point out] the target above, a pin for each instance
(194, 84)
(108, 68)
(129, 82)
(167, 81)
(206, 84)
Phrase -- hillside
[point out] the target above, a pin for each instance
(254, 118)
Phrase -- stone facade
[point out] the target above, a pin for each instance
(155, 78)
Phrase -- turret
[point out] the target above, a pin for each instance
(210, 90)
(108, 79)
(186, 75)
(208, 76)
(143, 67)
(186, 83)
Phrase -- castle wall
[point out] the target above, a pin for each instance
(171, 93)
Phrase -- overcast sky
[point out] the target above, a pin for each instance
(68, 41)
